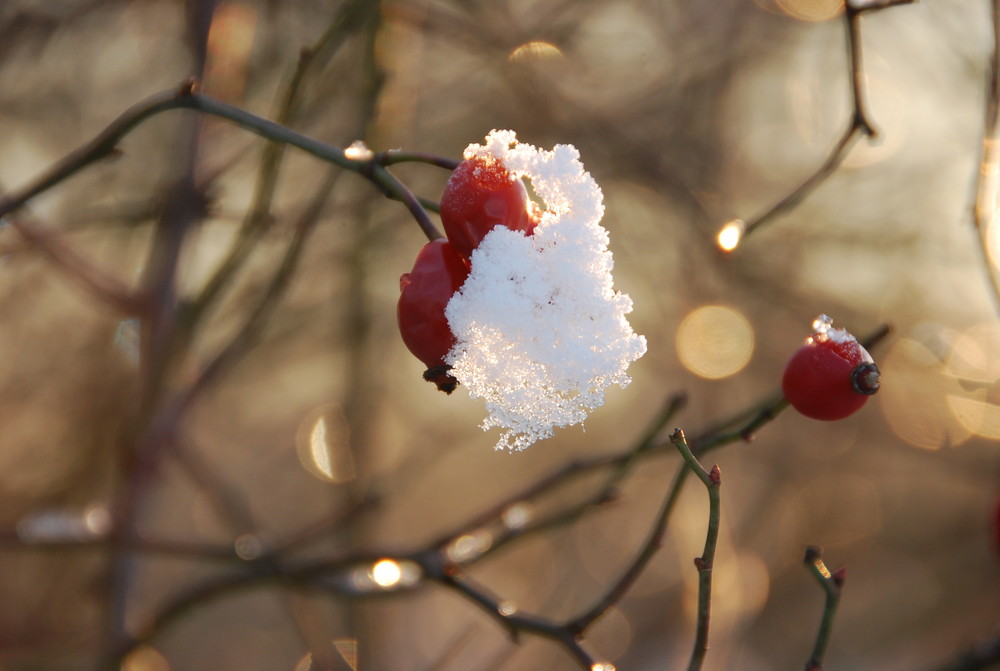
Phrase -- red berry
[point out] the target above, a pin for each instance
(480, 195)
(831, 376)
(425, 291)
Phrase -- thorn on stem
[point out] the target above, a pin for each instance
(839, 576)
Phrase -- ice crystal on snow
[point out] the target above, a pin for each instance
(541, 332)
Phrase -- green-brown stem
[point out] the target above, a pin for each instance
(712, 479)
(832, 583)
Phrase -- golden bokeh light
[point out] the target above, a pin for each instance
(746, 577)
(386, 573)
(915, 402)
(743, 577)
(145, 658)
(975, 368)
(230, 42)
(536, 50)
(612, 633)
(714, 341)
(811, 10)
(731, 235)
(323, 445)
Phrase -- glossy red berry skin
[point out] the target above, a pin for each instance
(482, 194)
(437, 274)
(830, 377)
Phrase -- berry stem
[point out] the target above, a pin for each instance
(395, 189)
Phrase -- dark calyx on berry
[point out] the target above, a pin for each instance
(440, 376)
(865, 378)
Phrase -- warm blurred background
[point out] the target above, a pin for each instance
(687, 114)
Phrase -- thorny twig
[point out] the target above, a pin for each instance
(712, 479)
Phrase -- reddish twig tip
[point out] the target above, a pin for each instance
(715, 475)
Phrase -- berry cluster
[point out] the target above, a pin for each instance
(481, 194)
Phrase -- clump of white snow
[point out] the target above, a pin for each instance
(541, 332)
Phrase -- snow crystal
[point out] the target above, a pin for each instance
(823, 330)
(541, 333)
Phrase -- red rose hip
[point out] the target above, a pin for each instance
(437, 274)
(831, 376)
(482, 194)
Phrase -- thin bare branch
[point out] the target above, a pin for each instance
(832, 583)
(859, 124)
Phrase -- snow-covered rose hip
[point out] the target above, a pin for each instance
(831, 376)
(482, 194)
(541, 331)
(437, 274)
